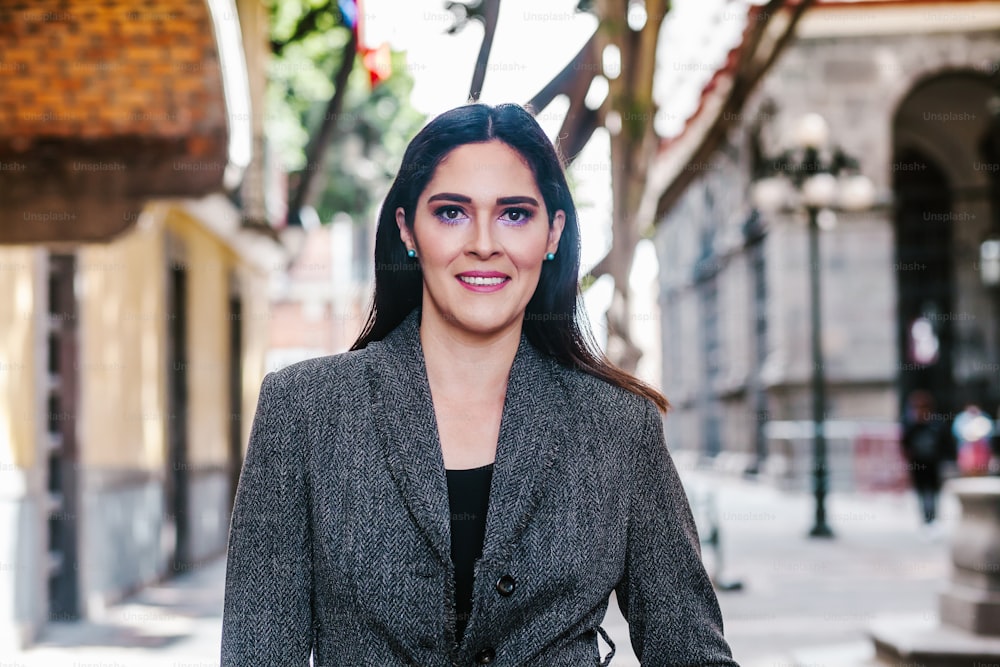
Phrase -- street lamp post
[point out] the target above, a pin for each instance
(820, 527)
(818, 180)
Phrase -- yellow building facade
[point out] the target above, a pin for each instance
(138, 398)
(135, 260)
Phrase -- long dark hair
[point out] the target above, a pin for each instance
(550, 320)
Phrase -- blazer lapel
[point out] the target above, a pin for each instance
(532, 430)
(405, 421)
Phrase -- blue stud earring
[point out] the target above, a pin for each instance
(411, 253)
(550, 256)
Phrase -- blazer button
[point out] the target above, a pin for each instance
(506, 585)
(486, 656)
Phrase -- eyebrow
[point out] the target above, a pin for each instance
(517, 200)
(450, 196)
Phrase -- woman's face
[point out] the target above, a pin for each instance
(481, 233)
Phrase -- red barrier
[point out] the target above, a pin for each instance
(879, 464)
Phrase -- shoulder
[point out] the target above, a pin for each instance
(621, 426)
(607, 402)
(320, 376)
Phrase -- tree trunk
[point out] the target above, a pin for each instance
(306, 191)
(632, 149)
(488, 12)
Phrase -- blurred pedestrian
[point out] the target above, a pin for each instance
(473, 479)
(925, 446)
(973, 430)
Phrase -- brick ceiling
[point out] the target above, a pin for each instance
(103, 104)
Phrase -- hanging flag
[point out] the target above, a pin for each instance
(349, 13)
(378, 62)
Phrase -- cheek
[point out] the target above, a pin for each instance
(527, 250)
(435, 248)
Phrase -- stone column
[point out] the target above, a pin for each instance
(968, 633)
(972, 601)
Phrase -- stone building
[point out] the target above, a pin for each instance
(911, 90)
(319, 305)
(134, 258)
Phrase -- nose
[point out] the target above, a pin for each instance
(483, 242)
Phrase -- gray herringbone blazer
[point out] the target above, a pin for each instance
(340, 535)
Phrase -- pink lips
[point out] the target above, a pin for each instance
(483, 274)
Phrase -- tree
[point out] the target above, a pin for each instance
(633, 145)
(341, 136)
(486, 12)
(639, 200)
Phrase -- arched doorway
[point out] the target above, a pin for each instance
(947, 318)
(923, 268)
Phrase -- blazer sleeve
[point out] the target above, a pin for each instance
(665, 593)
(267, 610)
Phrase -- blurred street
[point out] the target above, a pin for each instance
(809, 601)
(804, 601)
(784, 215)
(178, 622)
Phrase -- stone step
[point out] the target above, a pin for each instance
(927, 643)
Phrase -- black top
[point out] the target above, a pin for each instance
(468, 497)
(927, 442)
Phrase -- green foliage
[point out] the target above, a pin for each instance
(373, 128)
(372, 133)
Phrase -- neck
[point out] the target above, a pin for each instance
(460, 361)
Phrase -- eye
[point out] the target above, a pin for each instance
(516, 215)
(450, 214)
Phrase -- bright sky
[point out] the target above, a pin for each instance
(533, 42)
(531, 45)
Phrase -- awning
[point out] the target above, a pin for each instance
(106, 105)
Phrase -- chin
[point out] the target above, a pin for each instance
(482, 322)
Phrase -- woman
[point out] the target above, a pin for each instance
(470, 482)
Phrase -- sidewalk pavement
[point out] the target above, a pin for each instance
(176, 623)
(805, 602)
(810, 601)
